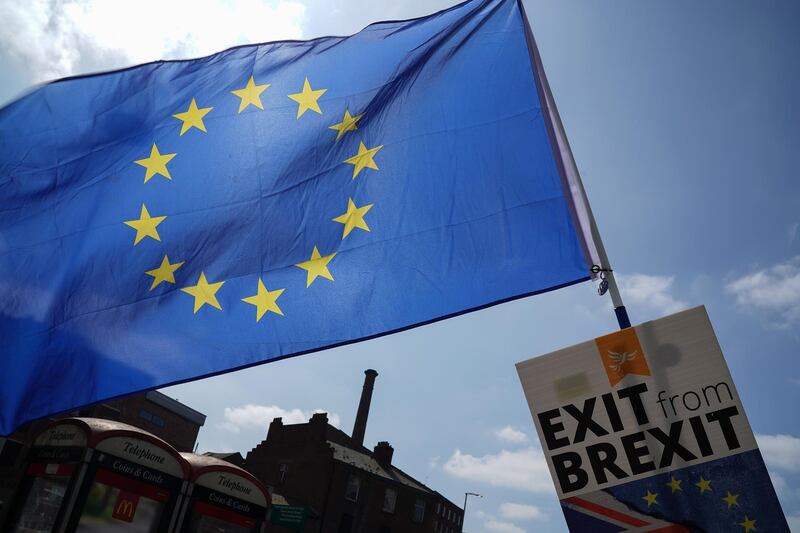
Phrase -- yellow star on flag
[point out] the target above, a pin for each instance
(145, 226)
(675, 484)
(353, 218)
(650, 498)
(193, 117)
(703, 485)
(264, 300)
(155, 164)
(731, 499)
(748, 525)
(204, 293)
(317, 266)
(363, 159)
(307, 99)
(250, 94)
(165, 272)
(348, 123)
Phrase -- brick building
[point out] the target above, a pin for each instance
(348, 488)
(152, 411)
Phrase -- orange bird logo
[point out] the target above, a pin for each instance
(622, 354)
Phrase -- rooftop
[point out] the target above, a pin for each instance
(364, 461)
(176, 407)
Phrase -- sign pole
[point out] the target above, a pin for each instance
(464, 514)
(581, 210)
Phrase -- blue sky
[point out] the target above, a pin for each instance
(684, 121)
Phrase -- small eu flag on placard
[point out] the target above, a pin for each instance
(185, 218)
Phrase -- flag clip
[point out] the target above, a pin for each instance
(596, 269)
(603, 287)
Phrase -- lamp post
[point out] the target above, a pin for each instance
(464, 517)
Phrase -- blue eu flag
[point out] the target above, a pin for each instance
(723, 495)
(185, 218)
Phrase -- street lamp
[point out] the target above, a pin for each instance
(464, 517)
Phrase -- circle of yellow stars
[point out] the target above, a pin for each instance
(204, 292)
(703, 485)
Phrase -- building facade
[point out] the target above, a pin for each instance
(347, 487)
(344, 486)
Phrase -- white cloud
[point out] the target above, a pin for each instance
(512, 435)
(524, 469)
(775, 289)
(519, 511)
(260, 416)
(433, 463)
(786, 492)
(794, 522)
(781, 452)
(50, 39)
(502, 527)
(492, 523)
(651, 292)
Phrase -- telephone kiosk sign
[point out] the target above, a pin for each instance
(643, 430)
(100, 475)
(222, 498)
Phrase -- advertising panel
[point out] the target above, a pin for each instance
(643, 429)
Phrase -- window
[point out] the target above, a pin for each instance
(106, 505)
(449, 514)
(353, 486)
(283, 469)
(438, 507)
(39, 509)
(389, 500)
(419, 510)
(144, 414)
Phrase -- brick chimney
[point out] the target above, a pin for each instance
(360, 426)
(318, 426)
(275, 427)
(383, 453)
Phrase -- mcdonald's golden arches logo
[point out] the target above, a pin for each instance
(125, 506)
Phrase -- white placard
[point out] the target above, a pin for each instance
(634, 404)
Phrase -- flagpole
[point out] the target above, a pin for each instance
(605, 265)
(573, 184)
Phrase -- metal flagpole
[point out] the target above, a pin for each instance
(573, 184)
(604, 270)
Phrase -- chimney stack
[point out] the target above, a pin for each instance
(383, 454)
(360, 427)
(318, 426)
